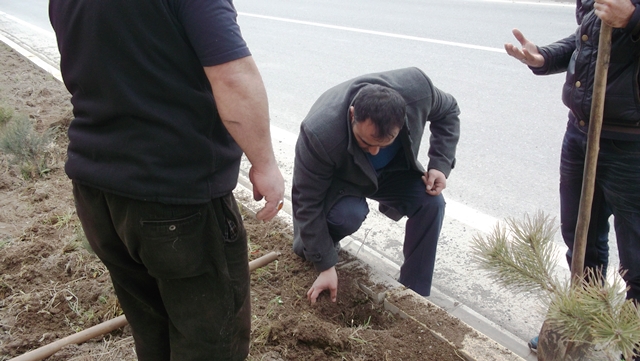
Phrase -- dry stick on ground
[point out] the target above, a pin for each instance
(108, 326)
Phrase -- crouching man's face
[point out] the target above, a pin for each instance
(366, 134)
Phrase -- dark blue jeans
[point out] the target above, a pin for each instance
(405, 192)
(180, 273)
(617, 192)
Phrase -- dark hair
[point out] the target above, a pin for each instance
(384, 106)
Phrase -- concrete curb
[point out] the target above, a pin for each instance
(475, 346)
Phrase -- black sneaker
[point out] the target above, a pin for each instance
(637, 358)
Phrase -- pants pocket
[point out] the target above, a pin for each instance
(627, 147)
(175, 247)
(230, 223)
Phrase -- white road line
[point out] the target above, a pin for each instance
(373, 32)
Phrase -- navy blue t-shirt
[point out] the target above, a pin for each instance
(145, 121)
(385, 155)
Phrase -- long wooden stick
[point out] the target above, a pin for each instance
(263, 261)
(591, 159)
(108, 326)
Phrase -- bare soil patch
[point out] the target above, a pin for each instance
(51, 285)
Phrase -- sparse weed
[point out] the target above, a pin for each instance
(112, 309)
(5, 115)
(277, 300)
(88, 316)
(97, 271)
(64, 220)
(75, 328)
(355, 337)
(262, 274)
(5, 289)
(81, 237)
(261, 325)
(253, 247)
(26, 146)
(71, 246)
(111, 348)
(73, 302)
(260, 334)
(4, 242)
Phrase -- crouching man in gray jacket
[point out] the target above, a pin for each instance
(361, 140)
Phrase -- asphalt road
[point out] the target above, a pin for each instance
(512, 121)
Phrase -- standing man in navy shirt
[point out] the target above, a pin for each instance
(166, 98)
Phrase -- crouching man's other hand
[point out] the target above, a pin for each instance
(435, 181)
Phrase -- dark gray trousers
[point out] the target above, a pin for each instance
(405, 192)
(180, 273)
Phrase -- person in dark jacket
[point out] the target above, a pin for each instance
(617, 188)
(166, 98)
(361, 140)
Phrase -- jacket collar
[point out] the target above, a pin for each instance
(359, 158)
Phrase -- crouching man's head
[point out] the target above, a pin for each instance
(376, 116)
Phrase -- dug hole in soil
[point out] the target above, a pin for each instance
(52, 286)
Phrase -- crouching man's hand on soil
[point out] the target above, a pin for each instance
(327, 280)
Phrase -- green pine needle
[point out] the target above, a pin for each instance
(520, 256)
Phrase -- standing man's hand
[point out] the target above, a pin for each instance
(268, 184)
(435, 181)
(616, 13)
(529, 53)
(327, 280)
(241, 100)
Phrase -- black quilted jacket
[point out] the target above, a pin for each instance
(577, 54)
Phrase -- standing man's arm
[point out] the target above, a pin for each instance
(241, 100)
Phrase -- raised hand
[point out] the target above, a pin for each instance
(528, 54)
